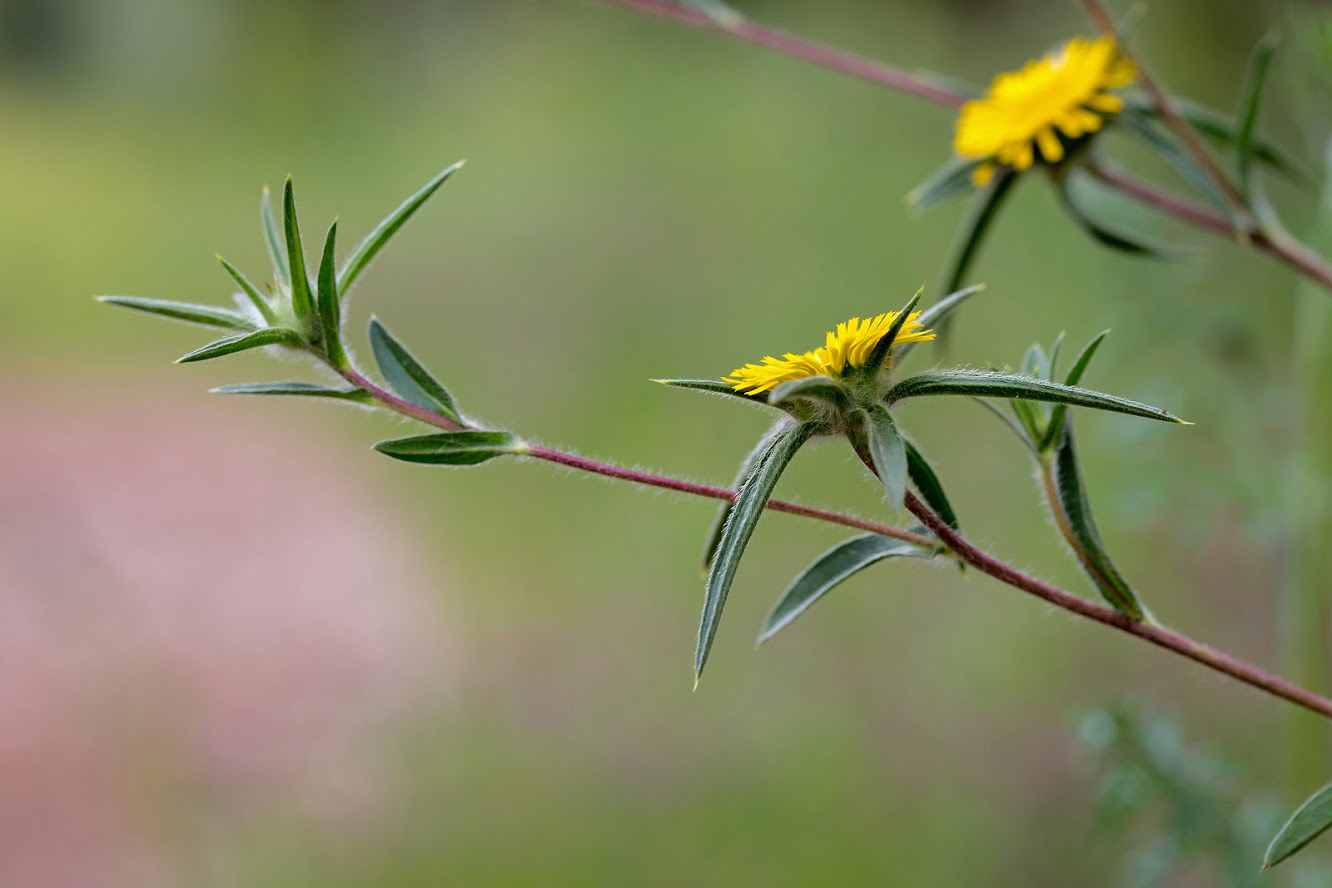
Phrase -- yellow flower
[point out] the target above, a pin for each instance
(1025, 111)
(850, 345)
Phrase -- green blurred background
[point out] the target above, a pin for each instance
(238, 648)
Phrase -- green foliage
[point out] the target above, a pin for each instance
(367, 249)
(925, 480)
(887, 451)
(302, 301)
(750, 500)
(244, 342)
(405, 375)
(1250, 100)
(300, 389)
(462, 448)
(326, 303)
(993, 384)
(950, 180)
(828, 570)
(203, 315)
(1310, 820)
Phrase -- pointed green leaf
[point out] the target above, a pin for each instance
(1080, 528)
(273, 240)
(811, 388)
(251, 292)
(713, 386)
(243, 342)
(1016, 426)
(1259, 63)
(985, 209)
(367, 249)
(830, 569)
(938, 313)
(1074, 377)
(954, 177)
(1055, 350)
(1222, 127)
(749, 504)
(1035, 362)
(991, 384)
(879, 355)
(752, 459)
(931, 488)
(1103, 235)
(203, 315)
(465, 448)
(327, 304)
(406, 376)
(887, 450)
(1308, 822)
(302, 302)
(300, 389)
(1142, 126)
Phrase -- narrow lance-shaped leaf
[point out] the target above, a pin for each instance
(244, 342)
(931, 488)
(992, 384)
(302, 302)
(1073, 513)
(1309, 821)
(1101, 234)
(1145, 128)
(1079, 367)
(327, 304)
(1221, 127)
(273, 241)
(367, 249)
(405, 375)
(954, 177)
(939, 312)
(984, 211)
(828, 570)
(747, 466)
(887, 450)
(1248, 116)
(715, 387)
(749, 504)
(203, 315)
(251, 292)
(297, 389)
(464, 448)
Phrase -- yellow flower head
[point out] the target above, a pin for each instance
(1024, 111)
(850, 345)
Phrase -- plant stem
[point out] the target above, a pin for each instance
(1158, 635)
(800, 48)
(1296, 255)
(636, 476)
(1171, 117)
(1280, 247)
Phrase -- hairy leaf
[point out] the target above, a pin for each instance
(302, 302)
(1308, 822)
(992, 384)
(749, 504)
(405, 375)
(367, 249)
(747, 465)
(203, 315)
(830, 569)
(931, 488)
(464, 448)
(326, 301)
(244, 342)
(887, 450)
(301, 389)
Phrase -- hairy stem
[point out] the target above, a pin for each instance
(800, 48)
(636, 476)
(1158, 635)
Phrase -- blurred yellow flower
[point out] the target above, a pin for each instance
(1025, 111)
(850, 345)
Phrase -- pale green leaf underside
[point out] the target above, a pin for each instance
(297, 389)
(830, 569)
(203, 315)
(464, 448)
(406, 376)
(1306, 824)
